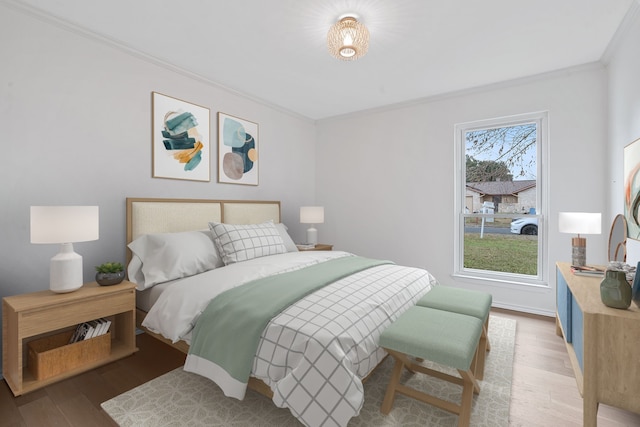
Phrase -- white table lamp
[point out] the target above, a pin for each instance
(312, 215)
(64, 225)
(579, 223)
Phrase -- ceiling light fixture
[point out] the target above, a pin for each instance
(348, 39)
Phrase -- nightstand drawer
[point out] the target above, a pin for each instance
(60, 316)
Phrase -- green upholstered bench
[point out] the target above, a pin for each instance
(443, 337)
(463, 301)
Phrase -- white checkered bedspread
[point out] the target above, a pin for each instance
(314, 354)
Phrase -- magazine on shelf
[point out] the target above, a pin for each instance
(91, 329)
(81, 332)
(587, 270)
(106, 323)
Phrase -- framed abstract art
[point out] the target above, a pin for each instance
(181, 139)
(632, 188)
(237, 150)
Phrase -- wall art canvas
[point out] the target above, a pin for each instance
(237, 150)
(181, 139)
(632, 188)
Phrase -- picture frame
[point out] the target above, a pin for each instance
(632, 188)
(238, 148)
(181, 143)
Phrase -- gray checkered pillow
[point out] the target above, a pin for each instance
(238, 243)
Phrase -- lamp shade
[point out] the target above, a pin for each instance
(64, 224)
(312, 214)
(580, 222)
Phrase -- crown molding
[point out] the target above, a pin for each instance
(470, 91)
(122, 46)
(632, 16)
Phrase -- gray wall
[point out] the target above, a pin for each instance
(392, 180)
(624, 106)
(75, 120)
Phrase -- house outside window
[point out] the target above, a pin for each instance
(501, 199)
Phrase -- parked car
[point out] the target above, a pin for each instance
(525, 226)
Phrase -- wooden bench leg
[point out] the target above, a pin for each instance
(485, 332)
(390, 395)
(467, 380)
(483, 347)
(464, 417)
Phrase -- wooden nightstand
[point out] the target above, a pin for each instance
(36, 315)
(318, 247)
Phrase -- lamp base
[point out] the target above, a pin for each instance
(312, 236)
(579, 251)
(65, 270)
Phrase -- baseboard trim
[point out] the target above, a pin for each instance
(523, 309)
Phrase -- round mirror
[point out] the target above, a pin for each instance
(618, 239)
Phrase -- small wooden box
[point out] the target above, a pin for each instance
(53, 355)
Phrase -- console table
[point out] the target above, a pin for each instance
(603, 344)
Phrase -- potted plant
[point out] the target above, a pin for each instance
(109, 273)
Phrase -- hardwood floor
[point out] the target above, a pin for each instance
(76, 401)
(544, 391)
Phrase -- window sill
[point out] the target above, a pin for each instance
(507, 281)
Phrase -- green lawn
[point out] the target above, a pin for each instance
(501, 252)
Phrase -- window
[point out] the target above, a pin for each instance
(501, 199)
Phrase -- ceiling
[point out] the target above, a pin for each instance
(275, 51)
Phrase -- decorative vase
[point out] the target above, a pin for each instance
(615, 291)
(108, 279)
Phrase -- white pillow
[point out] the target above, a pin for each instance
(161, 257)
(134, 270)
(286, 239)
(236, 243)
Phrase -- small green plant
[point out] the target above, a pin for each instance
(109, 267)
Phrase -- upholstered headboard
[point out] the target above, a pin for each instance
(146, 215)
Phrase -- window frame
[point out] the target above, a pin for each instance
(542, 203)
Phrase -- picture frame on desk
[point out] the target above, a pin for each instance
(633, 251)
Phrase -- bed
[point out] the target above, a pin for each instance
(314, 352)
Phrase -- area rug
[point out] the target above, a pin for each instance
(180, 398)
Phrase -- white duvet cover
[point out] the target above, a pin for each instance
(314, 354)
(177, 309)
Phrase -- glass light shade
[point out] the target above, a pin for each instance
(580, 222)
(312, 214)
(348, 39)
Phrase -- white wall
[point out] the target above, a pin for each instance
(386, 178)
(624, 106)
(75, 128)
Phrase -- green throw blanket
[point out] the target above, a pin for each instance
(228, 331)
